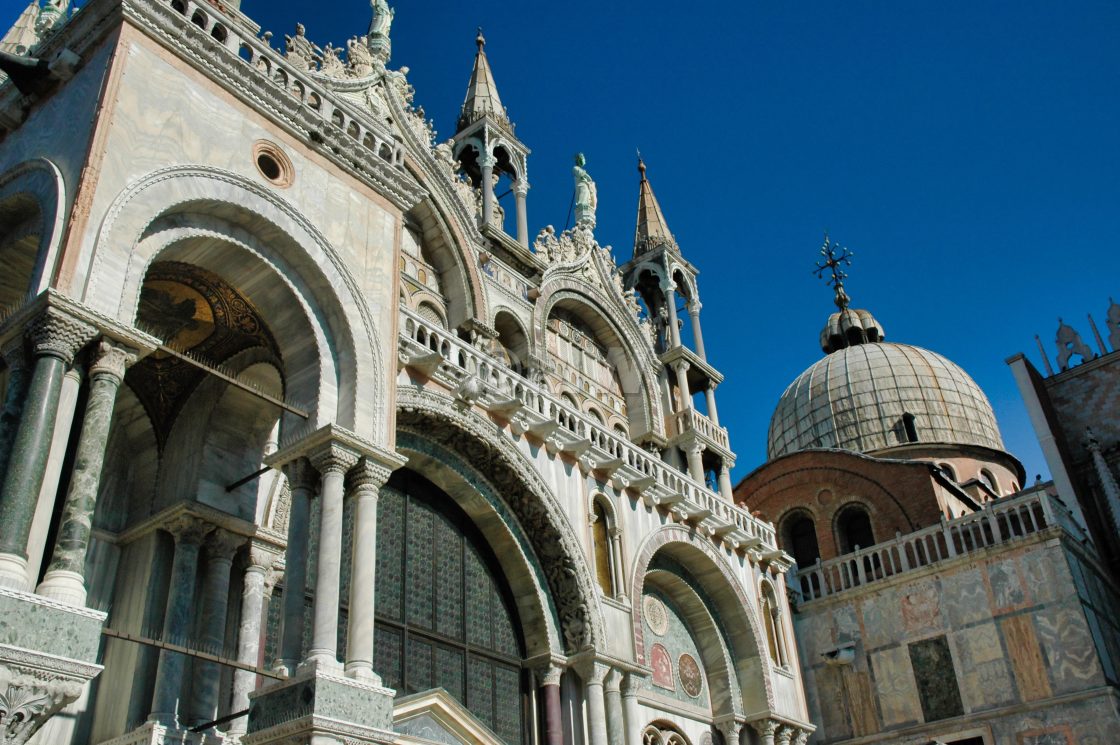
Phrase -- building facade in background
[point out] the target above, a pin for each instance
(305, 441)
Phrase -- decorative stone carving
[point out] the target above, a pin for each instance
(332, 62)
(587, 194)
(1069, 343)
(60, 335)
(299, 50)
(28, 698)
(188, 529)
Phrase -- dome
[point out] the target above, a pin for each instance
(871, 396)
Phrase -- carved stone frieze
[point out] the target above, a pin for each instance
(437, 419)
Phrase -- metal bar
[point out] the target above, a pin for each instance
(113, 633)
(222, 720)
(234, 381)
(247, 479)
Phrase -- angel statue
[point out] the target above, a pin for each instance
(587, 196)
(382, 18)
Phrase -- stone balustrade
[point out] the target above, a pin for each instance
(300, 85)
(478, 377)
(691, 420)
(1000, 522)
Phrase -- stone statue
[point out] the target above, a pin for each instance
(1070, 343)
(332, 63)
(382, 18)
(587, 196)
(299, 49)
(359, 57)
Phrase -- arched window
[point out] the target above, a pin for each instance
(988, 480)
(799, 534)
(445, 615)
(772, 621)
(948, 470)
(853, 528)
(601, 529)
(662, 733)
(909, 427)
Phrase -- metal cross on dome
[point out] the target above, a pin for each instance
(835, 256)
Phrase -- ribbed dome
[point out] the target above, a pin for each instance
(858, 398)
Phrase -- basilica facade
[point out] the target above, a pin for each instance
(304, 438)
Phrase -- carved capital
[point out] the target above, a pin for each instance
(549, 675)
(112, 360)
(367, 476)
(784, 735)
(802, 737)
(188, 529)
(333, 458)
(487, 161)
(300, 473)
(261, 557)
(57, 334)
(681, 367)
(765, 727)
(521, 187)
(222, 544)
(694, 307)
(631, 684)
(28, 698)
(613, 682)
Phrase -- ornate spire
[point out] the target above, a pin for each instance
(482, 92)
(846, 327)
(652, 231)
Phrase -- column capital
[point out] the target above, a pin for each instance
(521, 187)
(487, 160)
(300, 473)
(631, 684)
(188, 529)
(694, 307)
(765, 727)
(333, 458)
(682, 366)
(548, 674)
(222, 544)
(785, 734)
(668, 286)
(613, 681)
(261, 556)
(59, 334)
(111, 359)
(368, 474)
(802, 736)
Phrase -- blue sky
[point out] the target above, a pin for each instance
(966, 151)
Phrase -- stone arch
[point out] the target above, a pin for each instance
(632, 361)
(513, 339)
(32, 219)
(298, 272)
(460, 452)
(448, 251)
(734, 610)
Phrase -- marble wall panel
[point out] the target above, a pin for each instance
(964, 598)
(1026, 657)
(920, 603)
(882, 623)
(894, 684)
(1008, 590)
(1068, 644)
(985, 678)
(936, 679)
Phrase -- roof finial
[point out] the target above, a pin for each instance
(832, 263)
(480, 40)
(641, 164)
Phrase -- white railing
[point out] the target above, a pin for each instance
(1000, 522)
(531, 408)
(691, 420)
(296, 83)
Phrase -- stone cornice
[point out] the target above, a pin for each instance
(18, 319)
(261, 535)
(334, 436)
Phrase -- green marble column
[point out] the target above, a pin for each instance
(65, 578)
(55, 339)
(15, 360)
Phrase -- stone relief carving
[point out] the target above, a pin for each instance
(437, 419)
(300, 51)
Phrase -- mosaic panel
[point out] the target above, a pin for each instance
(449, 581)
(420, 577)
(479, 632)
(419, 665)
(678, 669)
(480, 689)
(390, 554)
(387, 655)
(507, 702)
(450, 664)
(936, 679)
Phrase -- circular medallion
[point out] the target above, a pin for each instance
(656, 617)
(692, 681)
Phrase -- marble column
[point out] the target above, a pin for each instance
(65, 577)
(520, 193)
(249, 631)
(725, 488)
(332, 462)
(596, 704)
(615, 534)
(669, 289)
(695, 462)
(189, 533)
(487, 163)
(55, 339)
(15, 361)
(365, 482)
(766, 729)
(220, 549)
(697, 336)
(710, 397)
(549, 683)
(681, 368)
(631, 719)
(1108, 481)
(301, 481)
(616, 725)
